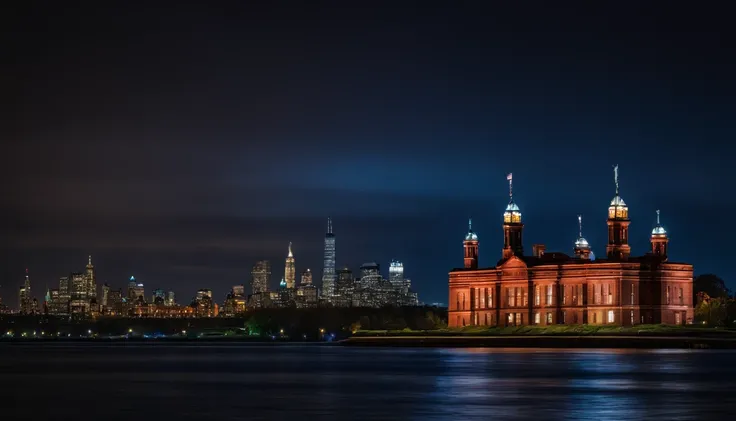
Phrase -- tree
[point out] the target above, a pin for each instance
(711, 285)
(718, 311)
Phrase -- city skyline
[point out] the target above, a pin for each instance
(290, 266)
(184, 147)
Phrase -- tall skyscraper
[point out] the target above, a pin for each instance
(170, 298)
(396, 274)
(65, 291)
(79, 293)
(105, 294)
(91, 286)
(290, 270)
(260, 276)
(25, 300)
(136, 291)
(328, 273)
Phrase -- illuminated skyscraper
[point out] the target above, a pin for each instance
(105, 294)
(25, 300)
(79, 293)
(290, 270)
(91, 286)
(396, 274)
(328, 273)
(170, 298)
(260, 276)
(136, 291)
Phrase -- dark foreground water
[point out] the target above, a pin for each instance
(245, 382)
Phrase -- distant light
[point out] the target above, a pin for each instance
(282, 331)
(132, 278)
(89, 331)
(130, 330)
(183, 332)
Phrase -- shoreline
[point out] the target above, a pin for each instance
(536, 341)
(476, 341)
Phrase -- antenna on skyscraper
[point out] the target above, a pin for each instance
(329, 225)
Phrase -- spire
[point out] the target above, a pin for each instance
(470, 224)
(290, 253)
(329, 225)
(658, 217)
(510, 178)
(580, 226)
(615, 177)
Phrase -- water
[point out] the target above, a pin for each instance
(239, 382)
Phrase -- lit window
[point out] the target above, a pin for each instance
(510, 297)
(632, 317)
(668, 295)
(548, 301)
(518, 295)
(609, 300)
(678, 318)
(564, 317)
(564, 296)
(537, 298)
(610, 316)
(536, 319)
(549, 318)
(632, 296)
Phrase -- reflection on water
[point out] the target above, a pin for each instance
(312, 382)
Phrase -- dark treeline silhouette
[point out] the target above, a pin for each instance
(288, 323)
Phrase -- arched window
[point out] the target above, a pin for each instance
(461, 301)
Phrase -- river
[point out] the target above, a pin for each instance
(251, 382)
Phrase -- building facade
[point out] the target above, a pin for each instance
(549, 288)
(290, 270)
(329, 275)
(260, 277)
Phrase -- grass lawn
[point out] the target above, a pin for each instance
(560, 330)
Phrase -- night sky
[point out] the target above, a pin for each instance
(180, 144)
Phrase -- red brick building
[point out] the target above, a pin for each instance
(555, 288)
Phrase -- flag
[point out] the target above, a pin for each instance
(508, 177)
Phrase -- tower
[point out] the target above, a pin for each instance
(328, 272)
(290, 270)
(512, 226)
(659, 240)
(260, 276)
(396, 275)
(90, 277)
(25, 302)
(471, 247)
(618, 225)
(582, 248)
